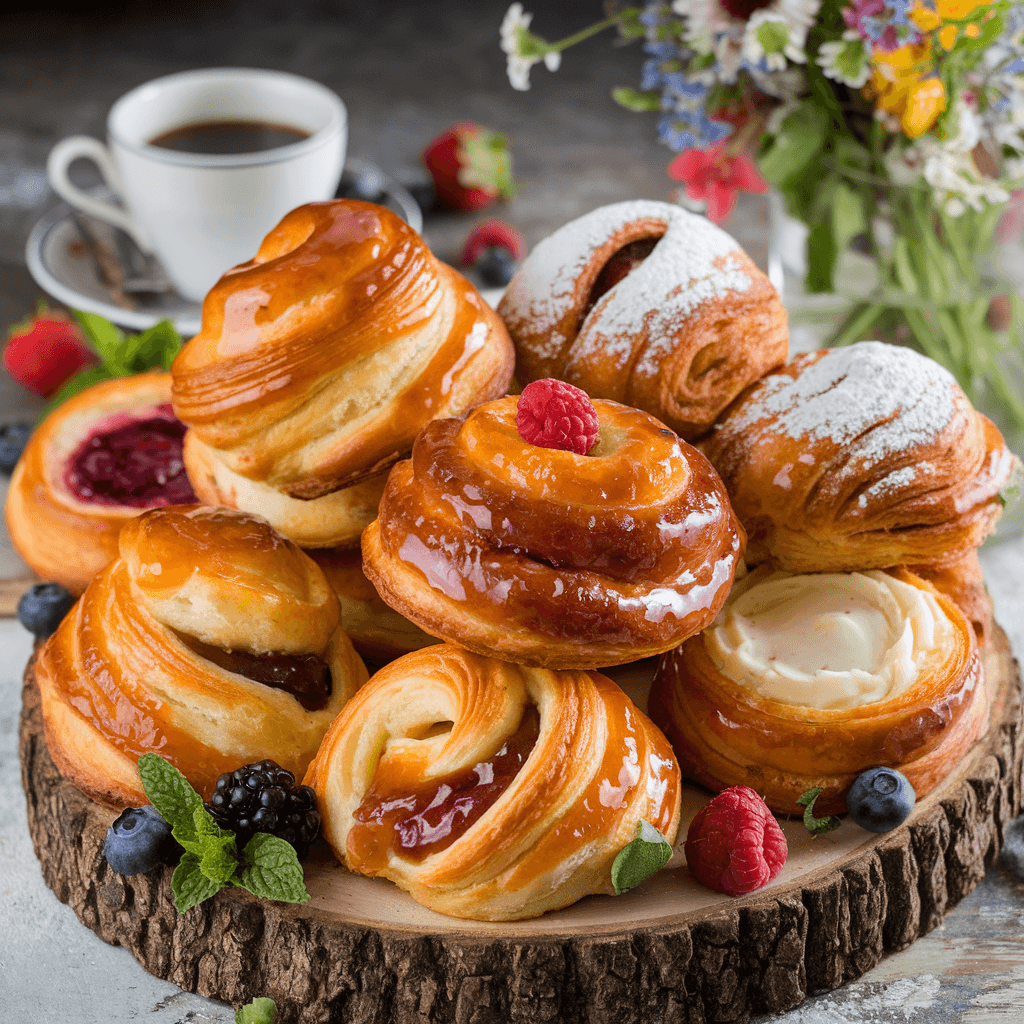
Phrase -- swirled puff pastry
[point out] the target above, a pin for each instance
(321, 358)
(58, 525)
(166, 650)
(808, 680)
(489, 790)
(546, 557)
(862, 457)
(646, 304)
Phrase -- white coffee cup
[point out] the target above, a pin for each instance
(203, 213)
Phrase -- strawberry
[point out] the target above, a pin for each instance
(471, 166)
(492, 234)
(45, 350)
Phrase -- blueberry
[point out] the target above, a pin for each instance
(42, 608)
(140, 840)
(496, 266)
(13, 438)
(880, 799)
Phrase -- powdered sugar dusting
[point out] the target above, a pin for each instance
(886, 398)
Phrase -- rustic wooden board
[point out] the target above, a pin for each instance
(361, 951)
(11, 591)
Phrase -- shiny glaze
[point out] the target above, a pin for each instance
(414, 824)
(635, 543)
(333, 287)
(131, 460)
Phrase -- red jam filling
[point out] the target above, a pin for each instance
(306, 677)
(134, 462)
(621, 265)
(418, 823)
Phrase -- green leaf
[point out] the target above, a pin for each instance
(821, 257)
(848, 218)
(633, 99)
(154, 348)
(170, 793)
(106, 338)
(1010, 492)
(190, 886)
(272, 870)
(798, 141)
(640, 858)
(260, 1011)
(816, 826)
(215, 847)
(629, 24)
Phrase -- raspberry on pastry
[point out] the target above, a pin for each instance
(98, 460)
(809, 680)
(319, 361)
(649, 305)
(489, 790)
(211, 640)
(547, 557)
(858, 458)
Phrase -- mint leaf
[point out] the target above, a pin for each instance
(155, 347)
(816, 826)
(190, 886)
(260, 1011)
(273, 870)
(106, 338)
(170, 793)
(215, 848)
(640, 858)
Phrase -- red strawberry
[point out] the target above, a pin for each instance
(492, 234)
(44, 351)
(471, 167)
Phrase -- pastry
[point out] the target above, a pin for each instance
(808, 680)
(857, 458)
(377, 631)
(964, 583)
(98, 460)
(319, 361)
(210, 640)
(488, 790)
(546, 557)
(646, 304)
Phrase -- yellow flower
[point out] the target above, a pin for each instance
(925, 18)
(955, 10)
(947, 36)
(925, 100)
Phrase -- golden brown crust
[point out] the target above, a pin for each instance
(64, 539)
(680, 337)
(546, 557)
(725, 734)
(320, 359)
(122, 677)
(964, 583)
(865, 457)
(597, 768)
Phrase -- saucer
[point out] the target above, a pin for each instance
(62, 265)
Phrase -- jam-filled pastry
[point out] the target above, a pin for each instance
(857, 458)
(377, 631)
(319, 361)
(98, 460)
(546, 557)
(646, 304)
(210, 640)
(809, 680)
(489, 790)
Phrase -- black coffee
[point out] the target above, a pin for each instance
(224, 137)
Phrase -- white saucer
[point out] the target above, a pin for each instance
(63, 267)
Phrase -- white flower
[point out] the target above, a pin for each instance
(523, 48)
(846, 60)
(766, 38)
(954, 177)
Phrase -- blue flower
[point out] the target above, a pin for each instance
(691, 129)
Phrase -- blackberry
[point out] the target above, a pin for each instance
(263, 797)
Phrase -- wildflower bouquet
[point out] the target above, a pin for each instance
(894, 126)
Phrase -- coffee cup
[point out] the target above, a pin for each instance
(200, 207)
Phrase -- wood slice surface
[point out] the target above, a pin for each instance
(362, 952)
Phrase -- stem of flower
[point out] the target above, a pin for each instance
(564, 44)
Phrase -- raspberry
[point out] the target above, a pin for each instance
(493, 234)
(734, 845)
(553, 414)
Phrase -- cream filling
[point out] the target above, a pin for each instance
(828, 640)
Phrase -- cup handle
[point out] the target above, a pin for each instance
(63, 155)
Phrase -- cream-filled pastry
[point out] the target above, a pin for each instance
(808, 680)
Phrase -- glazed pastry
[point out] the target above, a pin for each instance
(546, 557)
(646, 304)
(489, 790)
(211, 641)
(377, 632)
(964, 583)
(98, 460)
(857, 458)
(319, 361)
(808, 680)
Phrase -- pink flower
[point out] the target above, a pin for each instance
(716, 177)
